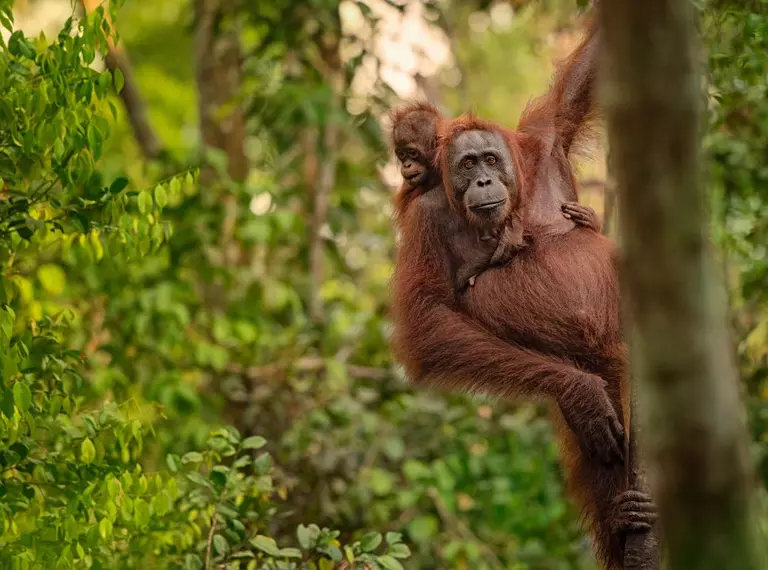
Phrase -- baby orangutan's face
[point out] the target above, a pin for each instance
(415, 141)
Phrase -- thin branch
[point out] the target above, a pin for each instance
(209, 548)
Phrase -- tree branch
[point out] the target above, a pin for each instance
(115, 59)
(326, 174)
(209, 547)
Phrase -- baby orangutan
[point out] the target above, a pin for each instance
(473, 247)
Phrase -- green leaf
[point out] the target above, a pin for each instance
(265, 544)
(22, 396)
(262, 464)
(113, 488)
(305, 537)
(290, 553)
(193, 562)
(400, 550)
(175, 185)
(241, 462)
(144, 201)
(198, 479)
(87, 451)
(334, 552)
(105, 78)
(218, 477)
(161, 196)
(220, 544)
(118, 185)
(173, 461)
(161, 503)
(370, 541)
(105, 528)
(119, 80)
(422, 528)
(254, 442)
(381, 482)
(20, 449)
(191, 457)
(415, 470)
(389, 563)
(141, 512)
(52, 278)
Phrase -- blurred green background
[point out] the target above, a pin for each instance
(194, 361)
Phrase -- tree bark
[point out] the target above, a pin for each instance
(218, 83)
(694, 434)
(325, 179)
(222, 118)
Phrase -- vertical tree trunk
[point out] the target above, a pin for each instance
(218, 83)
(222, 119)
(642, 549)
(325, 178)
(694, 435)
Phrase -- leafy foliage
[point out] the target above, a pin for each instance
(73, 487)
(736, 142)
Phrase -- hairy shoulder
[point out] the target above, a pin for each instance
(432, 201)
(432, 210)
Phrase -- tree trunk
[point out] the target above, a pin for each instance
(694, 434)
(218, 83)
(325, 175)
(642, 550)
(222, 119)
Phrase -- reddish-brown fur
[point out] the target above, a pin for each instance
(546, 324)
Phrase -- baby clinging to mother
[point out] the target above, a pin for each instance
(503, 283)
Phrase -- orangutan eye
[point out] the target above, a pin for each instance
(469, 163)
(490, 159)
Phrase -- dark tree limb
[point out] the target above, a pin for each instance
(218, 61)
(115, 59)
(331, 66)
(222, 118)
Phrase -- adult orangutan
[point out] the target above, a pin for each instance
(544, 325)
(470, 248)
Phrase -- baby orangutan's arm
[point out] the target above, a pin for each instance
(510, 242)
